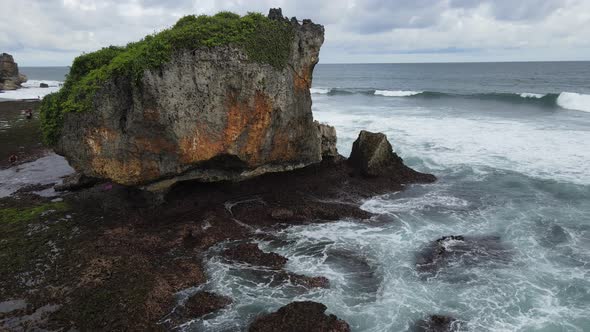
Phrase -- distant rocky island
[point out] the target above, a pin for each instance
(213, 119)
(10, 78)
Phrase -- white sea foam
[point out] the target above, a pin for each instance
(532, 95)
(574, 101)
(31, 90)
(538, 290)
(471, 140)
(320, 91)
(396, 93)
(432, 200)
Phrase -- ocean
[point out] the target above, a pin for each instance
(510, 145)
(52, 76)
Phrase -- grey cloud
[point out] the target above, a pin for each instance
(383, 28)
(511, 10)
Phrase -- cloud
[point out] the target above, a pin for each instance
(52, 32)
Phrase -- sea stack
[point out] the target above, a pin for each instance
(225, 104)
(10, 78)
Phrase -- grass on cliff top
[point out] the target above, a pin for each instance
(263, 40)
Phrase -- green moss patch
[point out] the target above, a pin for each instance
(29, 236)
(14, 215)
(263, 40)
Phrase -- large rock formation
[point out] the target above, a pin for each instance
(208, 114)
(10, 78)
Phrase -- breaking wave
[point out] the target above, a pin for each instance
(565, 100)
(31, 90)
(319, 91)
(574, 101)
(397, 93)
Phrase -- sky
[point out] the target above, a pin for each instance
(54, 32)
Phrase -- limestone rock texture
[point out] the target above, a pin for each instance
(209, 114)
(10, 78)
(328, 141)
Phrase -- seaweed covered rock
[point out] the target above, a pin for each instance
(10, 78)
(250, 253)
(204, 303)
(303, 316)
(223, 97)
(455, 254)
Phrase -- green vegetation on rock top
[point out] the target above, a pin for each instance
(263, 40)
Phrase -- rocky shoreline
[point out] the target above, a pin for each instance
(117, 260)
(178, 162)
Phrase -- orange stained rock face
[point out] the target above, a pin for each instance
(246, 129)
(157, 144)
(302, 79)
(200, 145)
(252, 121)
(129, 172)
(96, 138)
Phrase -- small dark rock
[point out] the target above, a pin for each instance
(304, 316)
(362, 275)
(43, 85)
(304, 281)
(76, 181)
(439, 323)
(251, 254)
(555, 236)
(469, 251)
(204, 303)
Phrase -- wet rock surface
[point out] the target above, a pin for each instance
(271, 266)
(362, 275)
(203, 303)
(130, 257)
(250, 253)
(439, 323)
(20, 137)
(554, 236)
(304, 316)
(457, 251)
(76, 181)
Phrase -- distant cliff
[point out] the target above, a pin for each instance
(10, 78)
(213, 98)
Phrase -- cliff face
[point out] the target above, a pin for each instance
(209, 114)
(10, 79)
